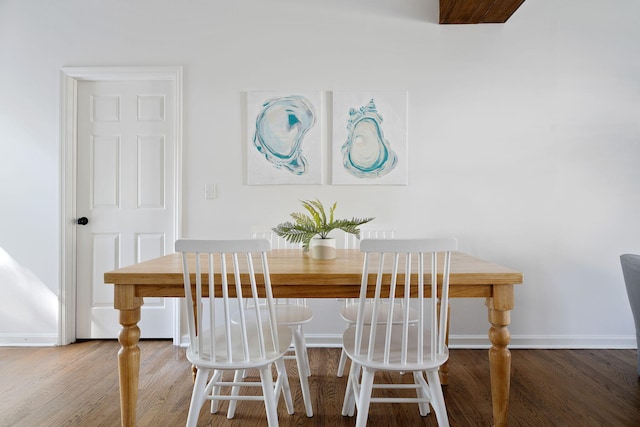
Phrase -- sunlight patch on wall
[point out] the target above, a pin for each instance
(28, 305)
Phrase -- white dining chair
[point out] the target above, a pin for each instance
(294, 313)
(349, 310)
(212, 270)
(407, 267)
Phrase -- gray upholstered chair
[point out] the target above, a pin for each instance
(631, 271)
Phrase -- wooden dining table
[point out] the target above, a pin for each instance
(294, 274)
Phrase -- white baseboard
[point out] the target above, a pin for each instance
(517, 341)
(28, 340)
(619, 342)
(321, 340)
(455, 341)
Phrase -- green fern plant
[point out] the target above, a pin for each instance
(316, 222)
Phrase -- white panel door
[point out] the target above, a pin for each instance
(126, 190)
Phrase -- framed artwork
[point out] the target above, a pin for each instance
(369, 141)
(284, 138)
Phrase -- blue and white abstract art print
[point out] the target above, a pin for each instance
(284, 133)
(369, 144)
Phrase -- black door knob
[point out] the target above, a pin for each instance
(83, 221)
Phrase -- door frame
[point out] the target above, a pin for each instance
(70, 77)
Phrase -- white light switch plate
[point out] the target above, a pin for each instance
(210, 191)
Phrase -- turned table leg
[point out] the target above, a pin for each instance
(129, 354)
(499, 308)
(444, 369)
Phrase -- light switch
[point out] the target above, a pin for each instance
(210, 191)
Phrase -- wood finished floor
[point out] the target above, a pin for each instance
(77, 385)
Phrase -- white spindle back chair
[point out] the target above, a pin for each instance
(351, 241)
(293, 312)
(377, 342)
(350, 307)
(217, 344)
(278, 242)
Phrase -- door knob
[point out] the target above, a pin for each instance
(83, 221)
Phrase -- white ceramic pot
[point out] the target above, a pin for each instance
(323, 248)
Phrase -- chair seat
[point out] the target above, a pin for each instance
(350, 312)
(238, 359)
(395, 357)
(286, 314)
(290, 314)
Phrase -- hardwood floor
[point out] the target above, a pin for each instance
(77, 385)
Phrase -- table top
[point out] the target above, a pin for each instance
(294, 273)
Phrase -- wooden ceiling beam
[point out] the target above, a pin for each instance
(477, 11)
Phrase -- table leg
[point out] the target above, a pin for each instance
(444, 369)
(194, 369)
(129, 354)
(499, 307)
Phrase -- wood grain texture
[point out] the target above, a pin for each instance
(477, 11)
(294, 274)
(77, 385)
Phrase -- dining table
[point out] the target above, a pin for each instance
(295, 274)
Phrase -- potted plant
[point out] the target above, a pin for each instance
(312, 228)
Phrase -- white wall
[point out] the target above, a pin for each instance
(524, 137)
